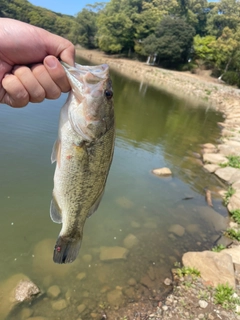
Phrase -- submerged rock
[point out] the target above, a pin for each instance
(59, 305)
(113, 253)
(211, 167)
(162, 172)
(215, 267)
(130, 241)
(115, 298)
(53, 291)
(177, 230)
(15, 290)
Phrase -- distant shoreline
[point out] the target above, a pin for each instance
(198, 89)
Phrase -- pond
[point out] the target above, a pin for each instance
(156, 219)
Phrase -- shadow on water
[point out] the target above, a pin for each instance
(142, 213)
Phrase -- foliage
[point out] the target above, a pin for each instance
(233, 161)
(232, 78)
(184, 271)
(172, 42)
(218, 248)
(224, 295)
(236, 215)
(230, 192)
(202, 47)
(87, 28)
(233, 234)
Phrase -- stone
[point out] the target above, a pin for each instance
(162, 172)
(150, 225)
(8, 293)
(81, 308)
(42, 263)
(236, 185)
(81, 276)
(177, 230)
(135, 224)
(202, 304)
(212, 217)
(87, 258)
(234, 201)
(193, 229)
(53, 291)
(132, 282)
(115, 298)
(229, 150)
(167, 282)
(36, 318)
(214, 158)
(215, 267)
(226, 173)
(211, 167)
(26, 290)
(113, 253)
(208, 146)
(129, 292)
(125, 202)
(130, 241)
(26, 313)
(59, 305)
(234, 252)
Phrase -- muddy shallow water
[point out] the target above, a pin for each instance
(155, 219)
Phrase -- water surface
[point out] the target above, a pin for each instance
(153, 130)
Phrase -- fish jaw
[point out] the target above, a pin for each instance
(91, 114)
(66, 249)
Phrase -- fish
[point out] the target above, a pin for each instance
(83, 153)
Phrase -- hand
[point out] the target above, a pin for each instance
(29, 68)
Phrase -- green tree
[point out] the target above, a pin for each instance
(87, 28)
(175, 38)
(203, 48)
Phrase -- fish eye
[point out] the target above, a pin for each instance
(108, 94)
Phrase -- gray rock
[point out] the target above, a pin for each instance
(130, 241)
(211, 167)
(208, 146)
(87, 258)
(59, 305)
(236, 185)
(229, 150)
(167, 282)
(226, 173)
(135, 224)
(113, 253)
(162, 172)
(193, 229)
(234, 201)
(177, 230)
(26, 290)
(203, 304)
(81, 308)
(214, 158)
(26, 313)
(234, 252)
(235, 177)
(212, 217)
(115, 298)
(36, 318)
(215, 268)
(53, 291)
(132, 282)
(81, 276)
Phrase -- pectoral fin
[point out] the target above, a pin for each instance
(56, 152)
(55, 211)
(95, 205)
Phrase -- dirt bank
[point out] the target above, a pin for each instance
(197, 88)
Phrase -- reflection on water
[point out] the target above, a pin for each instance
(146, 215)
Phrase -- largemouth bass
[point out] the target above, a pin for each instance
(83, 151)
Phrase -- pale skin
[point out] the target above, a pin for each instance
(29, 67)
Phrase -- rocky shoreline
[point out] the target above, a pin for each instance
(195, 300)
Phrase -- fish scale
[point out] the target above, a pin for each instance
(83, 152)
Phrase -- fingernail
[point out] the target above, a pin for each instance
(51, 62)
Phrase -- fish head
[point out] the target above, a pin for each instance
(92, 113)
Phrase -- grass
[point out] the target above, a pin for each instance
(224, 295)
(233, 234)
(185, 271)
(233, 161)
(236, 215)
(218, 248)
(230, 192)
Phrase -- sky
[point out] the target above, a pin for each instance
(71, 7)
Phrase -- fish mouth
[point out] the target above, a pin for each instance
(99, 72)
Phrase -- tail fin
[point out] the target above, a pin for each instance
(66, 250)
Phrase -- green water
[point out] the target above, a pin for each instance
(153, 130)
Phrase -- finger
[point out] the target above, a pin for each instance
(15, 93)
(57, 73)
(52, 91)
(32, 86)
